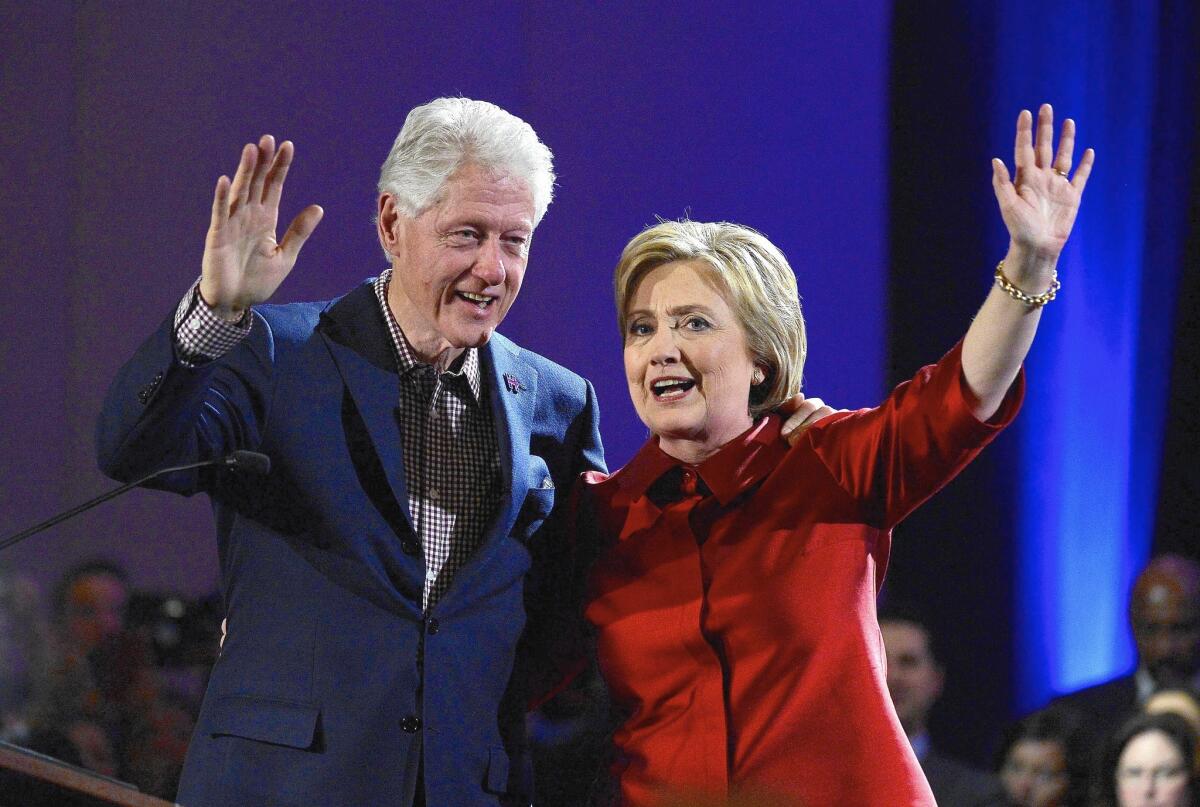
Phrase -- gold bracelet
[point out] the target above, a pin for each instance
(1030, 300)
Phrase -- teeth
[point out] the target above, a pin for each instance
(476, 298)
(672, 385)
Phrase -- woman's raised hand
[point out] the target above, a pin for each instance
(243, 263)
(1040, 204)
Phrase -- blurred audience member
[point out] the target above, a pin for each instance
(106, 708)
(1183, 702)
(915, 680)
(1164, 613)
(24, 655)
(1042, 762)
(89, 605)
(1149, 762)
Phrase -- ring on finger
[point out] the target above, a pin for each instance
(1062, 174)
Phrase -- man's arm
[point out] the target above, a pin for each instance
(171, 403)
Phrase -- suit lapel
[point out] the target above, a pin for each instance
(357, 337)
(510, 387)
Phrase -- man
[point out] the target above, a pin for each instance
(915, 680)
(1164, 614)
(375, 580)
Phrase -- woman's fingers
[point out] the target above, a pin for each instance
(1045, 136)
(1085, 168)
(1023, 156)
(1066, 148)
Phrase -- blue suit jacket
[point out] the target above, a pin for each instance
(332, 684)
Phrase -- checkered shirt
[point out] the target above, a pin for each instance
(451, 458)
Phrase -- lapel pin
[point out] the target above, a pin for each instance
(513, 383)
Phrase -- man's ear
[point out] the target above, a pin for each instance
(387, 223)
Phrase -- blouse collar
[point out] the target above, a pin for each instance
(739, 464)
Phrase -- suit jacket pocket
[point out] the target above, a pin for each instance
(497, 771)
(266, 720)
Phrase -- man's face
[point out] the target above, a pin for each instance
(458, 266)
(1166, 628)
(914, 678)
(95, 609)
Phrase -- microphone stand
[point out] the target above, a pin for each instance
(249, 460)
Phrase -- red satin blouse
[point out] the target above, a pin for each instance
(734, 602)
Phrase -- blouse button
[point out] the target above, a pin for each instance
(689, 481)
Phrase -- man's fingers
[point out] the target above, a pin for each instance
(278, 173)
(807, 413)
(298, 232)
(266, 151)
(220, 204)
(240, 189)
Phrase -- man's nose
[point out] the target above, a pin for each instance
(489, 267)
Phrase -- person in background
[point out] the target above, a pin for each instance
(1164, 615)
(25, 654)
(1150, 761)
(915, 680)
(1183, 702)
(1042, 761)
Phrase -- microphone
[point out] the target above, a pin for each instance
(250, 462)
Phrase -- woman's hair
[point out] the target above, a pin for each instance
(1176, 730)
(1053, 725)
(757, 281)
(444, 134)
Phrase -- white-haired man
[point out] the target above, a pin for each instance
(383, 579)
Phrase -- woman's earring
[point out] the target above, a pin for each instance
(757, 377)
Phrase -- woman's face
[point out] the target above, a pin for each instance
(687, 362)
(1034, 773)
(1151, 772)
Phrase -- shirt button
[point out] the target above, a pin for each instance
(411, 724)
(433, 493)
(408, 546)
(432, 626)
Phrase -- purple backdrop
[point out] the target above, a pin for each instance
(118, 117)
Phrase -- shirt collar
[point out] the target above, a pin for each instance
(737, 465)
(406, 358)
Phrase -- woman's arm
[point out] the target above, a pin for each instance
(1039, 209)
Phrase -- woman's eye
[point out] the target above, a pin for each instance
(697, 324)
(639, 329)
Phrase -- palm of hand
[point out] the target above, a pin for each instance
(243, 263)
(1039, 208)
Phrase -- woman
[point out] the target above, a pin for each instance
(1149, 762)
(1041, 763)
(733, 595)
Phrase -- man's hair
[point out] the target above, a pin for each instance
(758, 284)
(441, 136)
(897, 610)
(89, 568)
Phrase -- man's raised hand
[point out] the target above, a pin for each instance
(243, 263)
